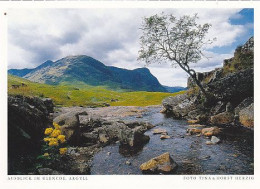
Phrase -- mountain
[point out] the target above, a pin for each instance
(84, 69)
(174, 89)
(19, 72)
(23, 72)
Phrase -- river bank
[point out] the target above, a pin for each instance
(233, 155)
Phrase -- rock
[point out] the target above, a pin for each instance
(103, 138)
(193, 131)
(205, 77)
(90, 122)
(222, 118)
(215, 140)
(49, 104)
(219, 107)
(246, 116)
(192, 121)
(210, 131)
(229, 107)
(70, 126)
(209, 143)
(28, 117)
(108, 153)
(245, 103)
(164, 137)
(89, 138)
(234, 87)
(197, 125)
(205, 158)
(203, 118)
(128, 163)
(195, 114)
(159, 131)
(163, 110)
(179, 106)
(77, 163)
(48, 171)
(133, 137)
(160, 164)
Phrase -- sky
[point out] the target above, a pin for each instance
(112, 37)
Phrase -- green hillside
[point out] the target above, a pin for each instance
(85, 95)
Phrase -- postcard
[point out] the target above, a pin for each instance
(123, 94)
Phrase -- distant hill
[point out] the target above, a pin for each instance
(84, 69)
(174, 89)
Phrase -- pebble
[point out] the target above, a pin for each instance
(108, 153)
(209, 143)
(205, 157)
(163, 136)
(215, 140)
(128, 163)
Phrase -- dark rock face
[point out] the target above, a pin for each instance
(230, 90)
(232, 93)
(206, 77)
(27, 120)
(234, 88)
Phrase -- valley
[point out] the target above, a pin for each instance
(63, 120)
(83, 94)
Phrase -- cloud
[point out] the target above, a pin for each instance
(109, 35)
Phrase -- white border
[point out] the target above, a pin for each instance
(170, 181)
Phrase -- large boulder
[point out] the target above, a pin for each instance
(245, 103)
(27, 119)
(179, 106)
(129, 133)
(84, 129)
(211, 131)
(70, 125)
(160, 164)
(222, 118)
(246, 116)
(234, 87)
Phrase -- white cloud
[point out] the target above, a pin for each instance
(109, 35)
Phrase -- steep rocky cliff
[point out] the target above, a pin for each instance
(231, 89)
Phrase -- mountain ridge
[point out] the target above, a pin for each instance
(82, 68)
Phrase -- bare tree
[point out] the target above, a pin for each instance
(179, 41)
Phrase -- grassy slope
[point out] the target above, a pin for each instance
(67, 95)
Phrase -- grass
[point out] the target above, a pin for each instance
(84, 95)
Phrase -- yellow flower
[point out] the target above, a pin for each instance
(47, 139)
(48, 131)
(61, 138)
(53, 142)
(63, 150)
(56, 126)
(46, 154)
(55, 133)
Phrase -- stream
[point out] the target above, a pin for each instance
(234, 155)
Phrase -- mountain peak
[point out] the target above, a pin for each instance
(85, 69)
